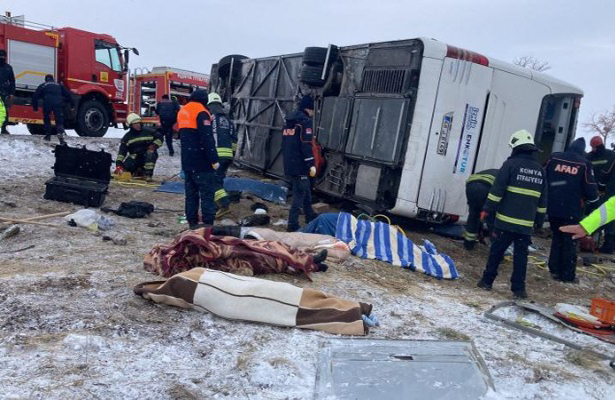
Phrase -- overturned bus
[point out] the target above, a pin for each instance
(400, 125)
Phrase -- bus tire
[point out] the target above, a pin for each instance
(92, 119)
(314, 56)
(36, 129)
(311, 76)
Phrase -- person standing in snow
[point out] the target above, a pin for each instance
(167, 112)
(226, 140)
(477, 189)
(518, 198)
(54, 95)
(571, 183)
(299, 163)
(7, 89)
(199, 159)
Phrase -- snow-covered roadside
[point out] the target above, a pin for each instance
(70, 326)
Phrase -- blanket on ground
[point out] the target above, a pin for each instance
(381, 241)
(198, 248)
(337, 250)
(252, 299)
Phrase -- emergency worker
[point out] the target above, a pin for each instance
(299, 163)
(518, 198)
(603, 162)
(604, 214)
(54, 95)
(226, 141)
(199, 158)
(571, 184)
(167, 112)
(7, 89)
(477, 189)
(138, 149)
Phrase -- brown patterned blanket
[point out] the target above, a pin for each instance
(198, 248)
(259, 300)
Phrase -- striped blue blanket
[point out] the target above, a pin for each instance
(381, 241)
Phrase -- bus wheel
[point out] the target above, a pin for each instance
(36, 129)
(92, 119)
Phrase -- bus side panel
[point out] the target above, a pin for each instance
(414, 159)
(514, 104)
(454, 136)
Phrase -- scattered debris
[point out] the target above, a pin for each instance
(321, 208)
(132, 209)
(18, 250)
(90, 220)
(9, 232)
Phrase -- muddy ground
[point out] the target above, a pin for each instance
(71, 327)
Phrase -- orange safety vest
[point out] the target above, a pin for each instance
(186, 117)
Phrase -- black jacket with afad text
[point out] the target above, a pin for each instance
(571, 182)
(297, 144)
(518, 196)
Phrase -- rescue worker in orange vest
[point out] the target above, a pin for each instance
(199, 159)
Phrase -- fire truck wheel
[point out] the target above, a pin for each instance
(36, 129)
(92, 119)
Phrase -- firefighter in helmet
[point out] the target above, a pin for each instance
(226, 140)
(138, 149)
(518, 198)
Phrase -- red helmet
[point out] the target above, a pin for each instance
(596, 141)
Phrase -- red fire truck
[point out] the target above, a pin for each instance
(148, 87)
(94, 67)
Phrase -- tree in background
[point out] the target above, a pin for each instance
(602, 124)
(532, 63)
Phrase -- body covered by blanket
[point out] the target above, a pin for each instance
(259, 300)
(380, 241)
(337, 250)
(198, 248)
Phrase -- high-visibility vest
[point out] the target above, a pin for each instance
(186, 117)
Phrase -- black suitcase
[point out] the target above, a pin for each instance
(81, 176)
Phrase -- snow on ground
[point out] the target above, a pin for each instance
(71, 327)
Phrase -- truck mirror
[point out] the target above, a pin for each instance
(134, 50)
(126, 58)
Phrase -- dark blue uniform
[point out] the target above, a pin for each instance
(7, 89)
(571, 181)
(167, 111)
(298, 159)
(225, 136)
(518, 198)
(477, 189)
(53, 95)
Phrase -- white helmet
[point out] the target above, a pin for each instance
(520, 138)
(214, 98)
(133, 118)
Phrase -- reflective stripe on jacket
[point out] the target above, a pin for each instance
(518, 196)
(197, 140)
(600, 216)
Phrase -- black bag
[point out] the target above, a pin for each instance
(135, 209)
(81, 176)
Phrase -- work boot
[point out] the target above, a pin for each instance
(469, 244)
(232, 230)
(484, 285)
(61, 138)
(47, 138)
(520, 295)
(574, 281)
(5, 132)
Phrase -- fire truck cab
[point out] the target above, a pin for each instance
(148, 87)
(94, 67)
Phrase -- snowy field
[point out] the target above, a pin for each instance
(71, 327)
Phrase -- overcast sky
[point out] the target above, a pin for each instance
(577, 37)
